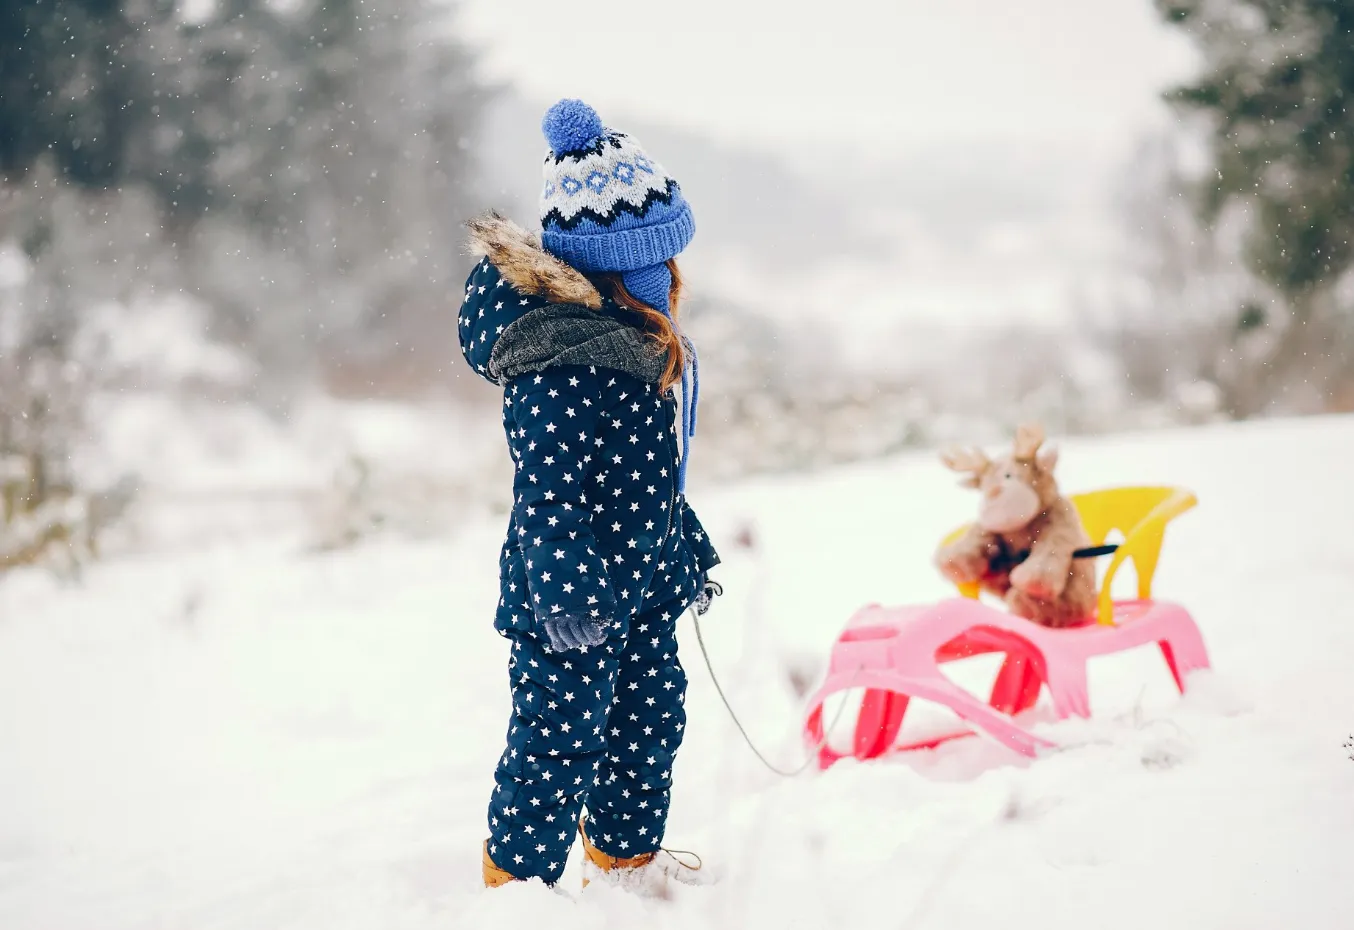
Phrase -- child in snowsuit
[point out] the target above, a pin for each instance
(603, 553)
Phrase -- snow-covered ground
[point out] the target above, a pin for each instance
(252, 736)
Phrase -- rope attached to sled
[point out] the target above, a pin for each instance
(926, 902)
(827, 732)
(1014, 559)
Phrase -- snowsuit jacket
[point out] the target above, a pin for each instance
(598, 527)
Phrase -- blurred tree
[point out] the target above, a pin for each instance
(335, 133)
(63, 84)
(310, 159)
(1187, 316)
(301, 167)
(1277, 86)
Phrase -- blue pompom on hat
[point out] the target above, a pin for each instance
(571, 126)
(606, 206)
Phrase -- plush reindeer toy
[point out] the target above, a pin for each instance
(1021, 547)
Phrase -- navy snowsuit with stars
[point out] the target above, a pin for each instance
(599, 530)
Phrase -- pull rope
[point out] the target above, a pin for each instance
(827, 733)
(927, 900)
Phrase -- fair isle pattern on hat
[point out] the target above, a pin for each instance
(611, 179)
(605, 204)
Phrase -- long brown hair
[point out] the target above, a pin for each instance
(652, 322)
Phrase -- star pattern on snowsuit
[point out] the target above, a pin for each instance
(597, 530)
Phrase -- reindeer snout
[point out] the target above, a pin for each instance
(993, 492)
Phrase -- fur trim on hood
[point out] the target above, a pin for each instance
(526, 265)
(525, 311)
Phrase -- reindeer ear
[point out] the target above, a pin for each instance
(1029, 437)
(970, 462)
(957, 459)
(1048, 458)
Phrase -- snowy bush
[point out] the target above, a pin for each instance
(772, 402)
(57, 252)
(366, 499)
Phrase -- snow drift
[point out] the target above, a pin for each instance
(247, 735)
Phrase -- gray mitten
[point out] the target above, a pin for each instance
(709, 591)
(571, 632)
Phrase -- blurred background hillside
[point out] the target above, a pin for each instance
(231, 233)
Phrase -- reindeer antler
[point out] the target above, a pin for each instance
(1029, 437)
(971, 461)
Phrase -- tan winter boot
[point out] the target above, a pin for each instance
(493, 875)
(649, 874)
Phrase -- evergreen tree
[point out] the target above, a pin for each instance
(334, 133)
(1277, 88)
(62, 86)
(309, 159)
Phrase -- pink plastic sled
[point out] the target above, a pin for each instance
(895, 653)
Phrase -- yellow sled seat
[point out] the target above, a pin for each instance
(1140, 514)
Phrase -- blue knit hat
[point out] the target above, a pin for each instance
(606, 206)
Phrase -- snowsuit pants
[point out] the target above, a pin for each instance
(599, 728)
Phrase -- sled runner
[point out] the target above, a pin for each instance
(895, 653)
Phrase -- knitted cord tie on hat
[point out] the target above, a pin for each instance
(690, 395)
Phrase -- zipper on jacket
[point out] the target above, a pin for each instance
(677, 450)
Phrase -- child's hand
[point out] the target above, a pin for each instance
(570, 632)
(709, 591)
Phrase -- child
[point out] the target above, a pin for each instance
(603, 553)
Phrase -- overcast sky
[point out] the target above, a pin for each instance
(881, 72)
(1040, 100)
